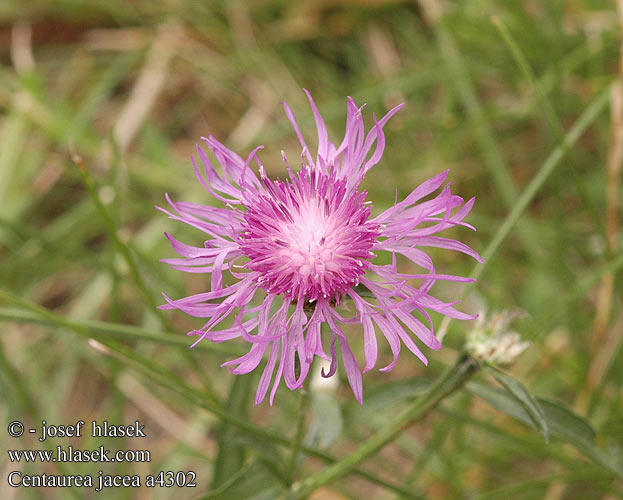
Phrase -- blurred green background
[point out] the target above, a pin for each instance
(101, 104)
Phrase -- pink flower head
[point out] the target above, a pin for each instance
(299, 247)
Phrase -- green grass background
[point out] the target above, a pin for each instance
(101, 103)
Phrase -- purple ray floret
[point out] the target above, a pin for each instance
(301, 246)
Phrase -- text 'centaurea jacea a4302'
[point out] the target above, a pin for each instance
(300, 246)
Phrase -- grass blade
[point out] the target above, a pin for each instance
(231, 454)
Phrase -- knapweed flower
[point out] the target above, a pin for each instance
(300, 246)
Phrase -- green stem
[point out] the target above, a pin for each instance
(127, 253)
(589, 115)
(554, 124)
(300, 432)
(549, 165)
(167, 379)
(490, 150)
(30, 313)
(122, 248)
(449, 382)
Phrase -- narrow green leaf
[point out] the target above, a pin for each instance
(529, 403)
(481, 128)
(104, 329)
(299, 434)
(452, 379)
(102, 87)
(563, 424)
(123, 248)
(590, 114)
(264, 448)
(570, 427)
(252, 482)
(530, 487)
(231, 454)
(545, 107)
(165, 378)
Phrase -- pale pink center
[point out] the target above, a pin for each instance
(312, 243)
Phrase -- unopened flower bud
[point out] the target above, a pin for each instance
(491, 341)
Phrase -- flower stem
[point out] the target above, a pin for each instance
(300, 432)
(450, 381)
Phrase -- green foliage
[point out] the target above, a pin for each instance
(542, 413)
(527, 401)
(231, 454)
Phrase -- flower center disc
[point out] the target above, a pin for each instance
(308, 236)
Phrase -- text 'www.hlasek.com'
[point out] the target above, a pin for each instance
(69, 454)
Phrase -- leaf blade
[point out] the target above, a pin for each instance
(563, 424)
(231, 453)
(521, 394)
